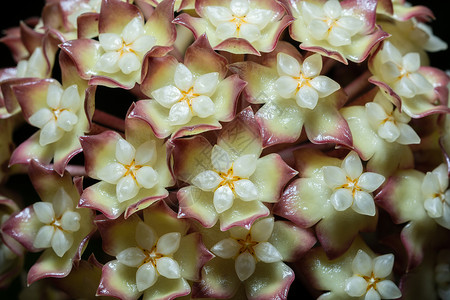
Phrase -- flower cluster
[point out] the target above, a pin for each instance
(235, 149)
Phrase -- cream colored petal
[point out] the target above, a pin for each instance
(372, 294)
(131, 257)
(364, 204)
(44, 212)
(62, 202)
(147, 177)
(70, 221)
(146, 276)
(341, 199)
(133, 30)
(259, 17)
(168, 267)
(324, 85)
(110, 41)
(339, 37)
(218, 14)
(434, 207)
(226, 248)
(41, 117)
(112, 172)
(54, 94)
(382, 265)
(223, 199)
(70, 99)
(145, 236)
(311, 11)
(203, 106)
(126, 188)
(287, 65)
(143, 44)
(405, 87)
(183, 77)
(351, 24)
(334, 176)
(226, 30)
(411, 62)
(244, 166)
(168, 243)
(180, 113)
(318, 29)
(441, 172)
(239, 7)
(67, 120)
(125, 152)
(423, 86)
(388, 131)
(267, 253)
(312, 65)
(244, 265)
(50, 133)
(220, 159)
(430, 185)
(370, 181)
(286, 86)
(108, 62)
(352, 165)
(246, 190)
(307, 97)
(355, 286)
(262, 229)
(206, 84)
(332, 9)
(249, 32)
(167, 95)
(146, 154)
(61, 242)
(207, 180)
(362, 264)
(129, 63)
(44, 237)
(388, 290)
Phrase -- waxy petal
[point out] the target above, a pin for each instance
(146, 276)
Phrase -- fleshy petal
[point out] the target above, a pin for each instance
(244, 265)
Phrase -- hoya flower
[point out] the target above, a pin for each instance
(253, 259)
(357, 273)
(332, 195)
(437, 195)
(179, 4)
(294, 94)
(381, 133)
(351, 187)
(61, 112)
(154, 256)
(389, 123)
(189, 97)
(303, 82)
(369, 277)
(54, 225)
(419, 201)
(228, 181)
(339, 29)
(415, 89)
(402, 10)
(133, 172)
(238, 26)
(116, 59)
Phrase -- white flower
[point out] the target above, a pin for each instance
(303, 82)
(228, 179)
(369, 277)
(60, 115)
(330, 22)
(352, 187)
(247, 247)
(153, 257)
(239, 21)
(60, 222)
(93, 6)
(401, 72)
(189, 97)
(437, 195)
(132, 169)
(389, 123)
(125, 52)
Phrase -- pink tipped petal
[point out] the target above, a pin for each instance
(87, 25)
(166, 288)
(113, 233)
(270, 177)
(85, 53)
(118, 280)
(191, 157)
(291, 241)
(23, 227)
(192, 257)
(277, 278)
(164, 220)
(237, 46)
(219, 280)
(226, 97)
(196, 204)
(242, 135)
(160, 25)
(110, 21)
(242, 213)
